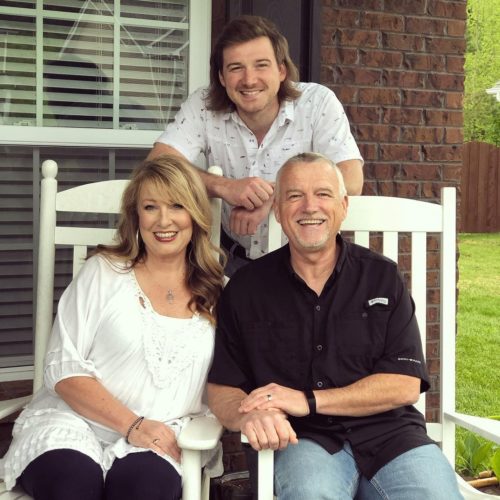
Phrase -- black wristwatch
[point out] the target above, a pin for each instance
(311, 401)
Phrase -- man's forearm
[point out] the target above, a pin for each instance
(224, 402)
(215, 184)
(352, 172)
(373, 394)
(161, 148)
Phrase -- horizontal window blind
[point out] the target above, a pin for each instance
(19, 192)
(16, 252)
(93, 64)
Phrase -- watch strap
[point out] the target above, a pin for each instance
(311, 401)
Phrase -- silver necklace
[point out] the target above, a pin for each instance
(170, 292)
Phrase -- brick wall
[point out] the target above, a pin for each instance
(397, 67)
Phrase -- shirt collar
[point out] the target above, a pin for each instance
(342, 254)
(340, 261)
(285, 250)
(227, 115)
(286, 114)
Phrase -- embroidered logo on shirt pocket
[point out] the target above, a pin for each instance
(377, 300)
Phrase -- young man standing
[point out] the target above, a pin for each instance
(253, 116)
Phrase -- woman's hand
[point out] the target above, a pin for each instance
(92, 400)
(156, 436)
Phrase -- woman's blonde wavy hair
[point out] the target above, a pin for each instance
(177, 180)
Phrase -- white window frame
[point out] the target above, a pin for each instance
(198, 75)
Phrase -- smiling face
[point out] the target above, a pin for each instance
(309, 206)
(165, 226)
(252, 78)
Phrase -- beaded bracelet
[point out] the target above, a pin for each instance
(136, 423)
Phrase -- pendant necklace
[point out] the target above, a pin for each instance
(170, 292)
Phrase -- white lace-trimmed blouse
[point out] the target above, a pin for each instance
(106, 328)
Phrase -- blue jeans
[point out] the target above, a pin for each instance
(306, 471)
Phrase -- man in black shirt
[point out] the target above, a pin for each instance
(318, 347)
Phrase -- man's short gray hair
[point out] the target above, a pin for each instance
(312, 158)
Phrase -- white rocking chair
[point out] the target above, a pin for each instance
(391, 216)
(201, 433)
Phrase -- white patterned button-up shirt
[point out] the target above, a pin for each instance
(316, 121)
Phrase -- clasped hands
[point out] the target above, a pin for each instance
(252, 199)
(265, 413)
(156, 436)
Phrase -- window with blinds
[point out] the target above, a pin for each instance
(19, 195)
(90, 84)
(96, 64)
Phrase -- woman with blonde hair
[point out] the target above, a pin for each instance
(129, 353)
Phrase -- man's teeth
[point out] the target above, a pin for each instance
(310, 221)
(170, 234)
(250, 92)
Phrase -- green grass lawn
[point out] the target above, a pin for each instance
(478, 317)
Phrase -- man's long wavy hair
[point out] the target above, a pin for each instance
(177, 181)
(243, 29)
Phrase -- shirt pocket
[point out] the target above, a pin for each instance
(359, 342)
(362, 333)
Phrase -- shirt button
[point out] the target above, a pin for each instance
(319, 384)
(318, 308)
(364, 315)
(330, 420)
(348, 430)
(319, 347)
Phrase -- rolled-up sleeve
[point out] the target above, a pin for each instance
(73, 334)
(230, 364)
(332, 132)
(186, 133)
(403, 352)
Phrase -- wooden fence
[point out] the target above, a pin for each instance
(480, 186)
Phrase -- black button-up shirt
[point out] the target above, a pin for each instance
(273, 328)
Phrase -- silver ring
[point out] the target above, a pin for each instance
(157, 440)
(269, 397)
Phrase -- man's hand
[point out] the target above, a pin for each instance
(274, 396)
(264, 428)
(245, 222)
(269, 429)
(250, 192)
